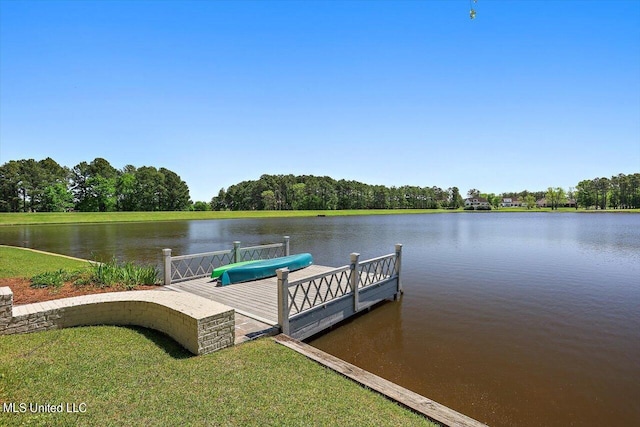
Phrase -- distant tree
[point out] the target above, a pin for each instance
(298, 195)
(268, 200)
(219, 203)
(530, 201)
(56, 198)
(492, 199)
(10, 178)
(176, 196)
(125, 192)
(556, 197)
(94, 186)
(149, 188)
(103, 193)
(585, 195)
(53, 173)
(30, 175)
(473, 193)
(201, 206)
(455, 199)
(381, 197)
(571, 196)
(601, 187)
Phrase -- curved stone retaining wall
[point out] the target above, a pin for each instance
(200, 325)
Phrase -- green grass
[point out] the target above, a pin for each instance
(99, 217)
(51, 271)
(135, 376)
(18, 262)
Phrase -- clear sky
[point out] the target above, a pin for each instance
(530, 94)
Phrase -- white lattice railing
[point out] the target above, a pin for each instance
(186, 267)
(300, 297)
(251, 253)
(317, 290)
(376, 270)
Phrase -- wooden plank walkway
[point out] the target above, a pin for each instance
(257, 299)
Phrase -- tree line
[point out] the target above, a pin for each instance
(618, 192)
(46, 186)
(308, 192)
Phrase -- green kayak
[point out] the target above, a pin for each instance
(217, 272)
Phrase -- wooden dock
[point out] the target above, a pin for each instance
(300, 303)
(257, 299)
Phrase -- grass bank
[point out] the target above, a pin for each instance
(102, 217)
(99, 217)
(135, 376)
(25, 263)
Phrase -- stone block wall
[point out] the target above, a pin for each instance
(6, 307)
(198, 324)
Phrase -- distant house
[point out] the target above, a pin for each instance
(542, 203)
(475, 202)
(508, 202)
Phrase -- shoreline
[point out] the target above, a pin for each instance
(52, 218)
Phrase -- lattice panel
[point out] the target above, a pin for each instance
(266, 252)
(309, 294)
(377, 270)
(198, 266)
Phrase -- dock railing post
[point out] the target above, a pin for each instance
(355, 279)
(166, 259)
(286, 245)
(398, 265)
(283, 299)
(236, 251)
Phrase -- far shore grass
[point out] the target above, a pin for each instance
(140, 377)
(106, 217)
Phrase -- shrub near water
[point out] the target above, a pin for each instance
(55, 279)
(103, 275)
(49, 279)
(127, 274)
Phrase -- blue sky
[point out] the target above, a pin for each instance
(530, 94)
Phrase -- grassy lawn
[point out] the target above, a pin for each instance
(135, 376)
(18, 262)
(96, 217)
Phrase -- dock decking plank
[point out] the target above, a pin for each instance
(254, 299)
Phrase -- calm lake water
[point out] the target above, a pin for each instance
(521, 319)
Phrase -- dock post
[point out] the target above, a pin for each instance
(286, 245)
(166, 259)
(283, 299)
(236, 251)
(398, 264)
(355, 279)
